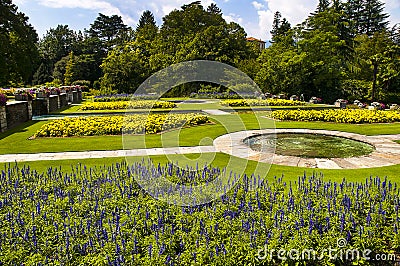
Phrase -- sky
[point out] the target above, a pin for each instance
(255, 16)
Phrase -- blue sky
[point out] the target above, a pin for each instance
(254, 15)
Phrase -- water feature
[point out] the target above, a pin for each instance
(309, 145)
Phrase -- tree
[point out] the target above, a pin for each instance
(147, 28)
(60, 68)
(70, 74)
(57, 43)
(214, 9)
(195, 33)
(284, 70)
(280, 28)
(18, 50)
(124, 69)
(374, 19)
(378, 61)
(323, 5)
(147, 19)
(223, 43)
(110, 30)
(43, 74)
(366, 16)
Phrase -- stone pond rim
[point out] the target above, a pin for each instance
(309, 145)
(386, 153)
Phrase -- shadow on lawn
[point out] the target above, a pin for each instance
(24, 127)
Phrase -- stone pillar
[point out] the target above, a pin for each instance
(3, 118)
(58, 102)
(75, 97)
(48, 104)
(30, 110)
(80, 96)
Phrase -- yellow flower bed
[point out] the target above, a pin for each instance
(268, 102)
(143, 104)
(114, 125)
(353, 116)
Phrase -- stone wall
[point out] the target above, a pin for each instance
(39, 107)
(75, 98)
(17, 113)
(52, 103)
(63, 100)
(70, 97)
(3, 119)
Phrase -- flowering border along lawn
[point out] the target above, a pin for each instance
(121, 105)
(352, 116)
(116, 125)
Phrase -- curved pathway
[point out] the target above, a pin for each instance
(49, 156)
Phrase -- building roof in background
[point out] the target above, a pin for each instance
(252, 39)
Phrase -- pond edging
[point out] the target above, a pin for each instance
(386, 153)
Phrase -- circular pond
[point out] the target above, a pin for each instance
(309, 145)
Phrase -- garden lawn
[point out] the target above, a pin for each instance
(17, 140)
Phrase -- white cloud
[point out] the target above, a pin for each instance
(231, 17)
(296, 11)
(19, 2)
(103, 7)
(164, 7)
(293, 10)
(257, 5)
(393, 8)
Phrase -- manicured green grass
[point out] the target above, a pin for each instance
(235, 165)
(68, 109)
(211, 104)
(16, 140)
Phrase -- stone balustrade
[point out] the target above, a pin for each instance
(17, 112)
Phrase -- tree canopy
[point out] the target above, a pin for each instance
(342, 49)
(18, 51)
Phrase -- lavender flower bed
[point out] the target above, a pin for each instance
(101, 217)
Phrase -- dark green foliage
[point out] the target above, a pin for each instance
(147, 19)
(18, 51)
(367, 16)
(110, 30)
(280, 28)
(339, 49)
(344, 49)
(190, 33)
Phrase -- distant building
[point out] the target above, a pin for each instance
(261, 43)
